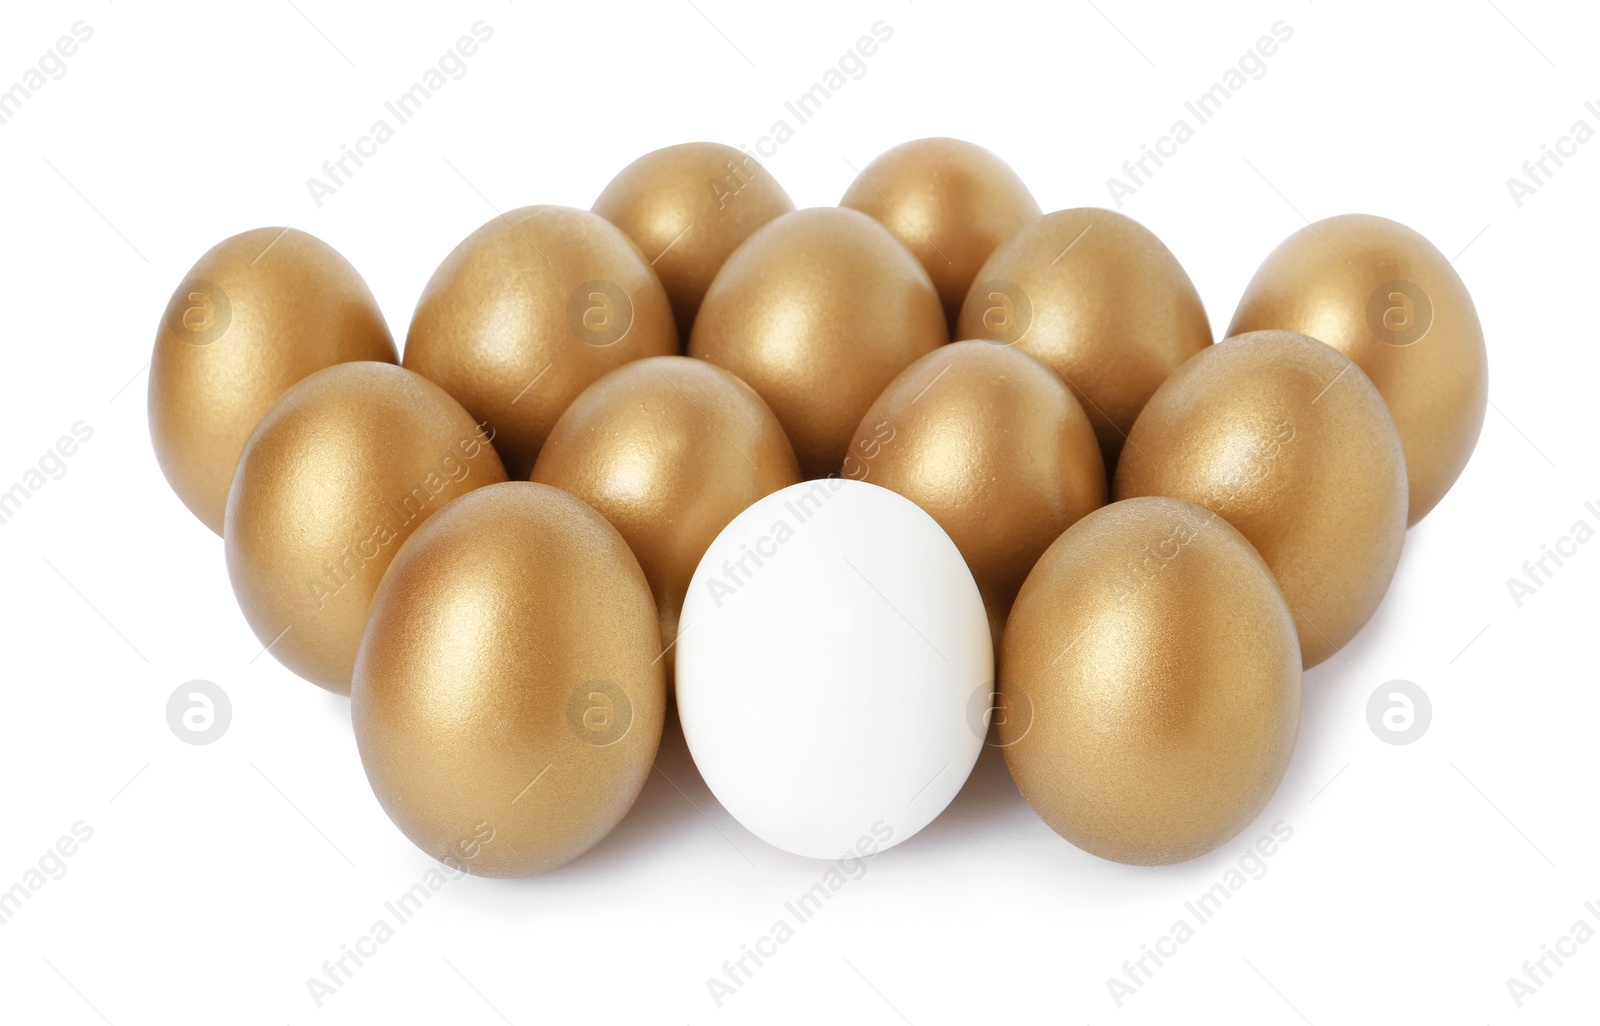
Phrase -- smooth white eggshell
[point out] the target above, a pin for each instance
(832, 647)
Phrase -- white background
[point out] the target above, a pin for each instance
(219, 878)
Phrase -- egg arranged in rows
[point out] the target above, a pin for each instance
(833, 484)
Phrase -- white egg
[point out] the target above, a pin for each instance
(833, 665)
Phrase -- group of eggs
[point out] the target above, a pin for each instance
(828, 525)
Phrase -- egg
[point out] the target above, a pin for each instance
(688, 207)
(527, 312)
(334, 479)
(1384, 296)
(831, 647)
(949, 202)
(1099, 299)
(255, 314)
(1288, 440)
(668, 449)
(508, 697)
(993, 446)
(818, 311)
(1152, 680)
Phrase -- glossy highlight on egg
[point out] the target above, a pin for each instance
(1151, 678)
(334, 479)
(527, 312)
(668, 449)
(993, 446)
(1288, 440)
(1098, 298)
(688, 207)
(818, 311)
(254, 315)
(948, 201)
(852, 491)
(509, 696)
(1383, 295)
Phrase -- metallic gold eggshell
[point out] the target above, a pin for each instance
(335, 477)
(1288, 440)
(818, 311)
(509, 698)
(1101, 301)
(669, 450)
(1386, 297)
(255, 314)
(991, 444)
(950, 202)
(1151, 679)
(687, 208)
(527, 312)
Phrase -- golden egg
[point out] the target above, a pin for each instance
(254, 315)
(1101, 301)
(949, 202)
(991, 444)
(334, 479)
(509, 697)
(1384, 296)
(1288, 440)
(1151, 678)
(688, 207)
(527, 312)
(669, 450)
(818, 311)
